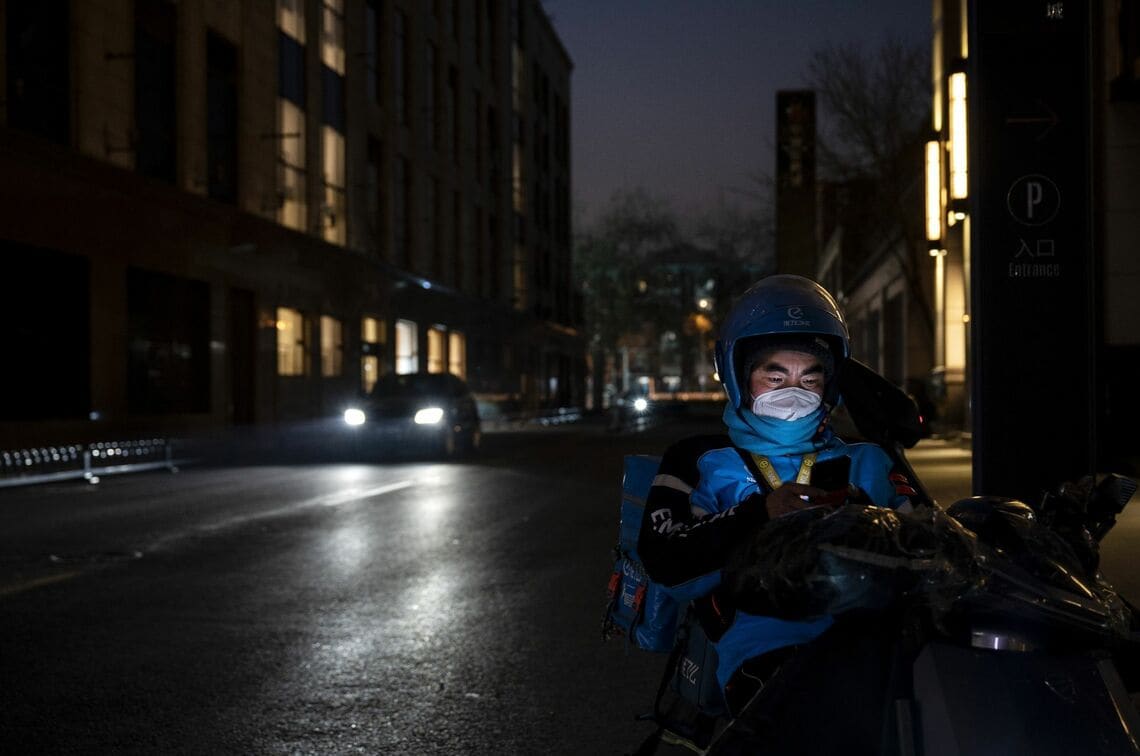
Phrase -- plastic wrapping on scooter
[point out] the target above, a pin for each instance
(815, 562)
(818, 562)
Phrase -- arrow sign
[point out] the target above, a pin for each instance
(1048, 117)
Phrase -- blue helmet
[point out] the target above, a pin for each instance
(780, 305)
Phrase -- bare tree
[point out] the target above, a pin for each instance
(875, 115)
(609, 258)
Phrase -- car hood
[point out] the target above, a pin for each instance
(402, 406)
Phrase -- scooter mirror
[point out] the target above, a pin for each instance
(883, 413)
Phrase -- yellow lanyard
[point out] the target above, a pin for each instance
(769, 472)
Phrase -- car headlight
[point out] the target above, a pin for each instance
(354, 416)
(640, 404)
(429, 416)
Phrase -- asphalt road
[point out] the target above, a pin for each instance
(340, 607)
(332, 608)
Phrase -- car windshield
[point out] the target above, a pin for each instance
(413, 384)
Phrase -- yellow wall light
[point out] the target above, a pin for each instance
(933, 190)
(959, 185)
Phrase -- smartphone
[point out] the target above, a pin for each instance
(832, 474)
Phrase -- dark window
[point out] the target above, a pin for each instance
(517, 24)
(156, 122)
(1126, 84)
(221, 118)
(457, 256)
(480, 243)
(477, 136)
(496, 260)
(434, 207)
(495, 153)
(46, 311)
(401, 191)
(374, 191)
(400, 67)
(39, 63)
(373, 34)
(168, 361)
(480, 31)
(332, 88)
(291, 69)
(431, 59)
(452, 114)
(493, 40)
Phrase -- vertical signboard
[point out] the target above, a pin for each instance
(795, 183)
(1033, 327)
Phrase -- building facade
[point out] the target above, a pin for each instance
(1076, 136)
(218, 214)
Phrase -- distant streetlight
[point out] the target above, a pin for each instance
(704, 303)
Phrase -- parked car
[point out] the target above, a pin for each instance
(432, 413)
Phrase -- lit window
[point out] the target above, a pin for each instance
(332, 35)
(292, 342)
(332, 347)
(292, 205)
(457, 354)
(373, 337)
(291, 165)
(369, 372)
(407, 347)
(334, 225)
(435, 345)
(291, 18)
(372, 331)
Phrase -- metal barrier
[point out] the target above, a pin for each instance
(559, 416)
(45, 464)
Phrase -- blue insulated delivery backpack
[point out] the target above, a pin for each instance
(654, 617)
(645, 612)
(636, 607)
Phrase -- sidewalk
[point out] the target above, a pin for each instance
(945, 467)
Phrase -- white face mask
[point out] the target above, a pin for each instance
(786, 403)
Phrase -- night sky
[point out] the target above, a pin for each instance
(678, 96)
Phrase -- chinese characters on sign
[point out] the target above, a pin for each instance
(1033, 201)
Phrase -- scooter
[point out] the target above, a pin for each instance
(1009, 642)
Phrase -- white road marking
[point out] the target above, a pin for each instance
(355, 494)
(328, 500)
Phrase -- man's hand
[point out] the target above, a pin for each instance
(788, 498)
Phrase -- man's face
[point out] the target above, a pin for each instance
(785, 369)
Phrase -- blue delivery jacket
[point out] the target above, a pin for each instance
(705, 500)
